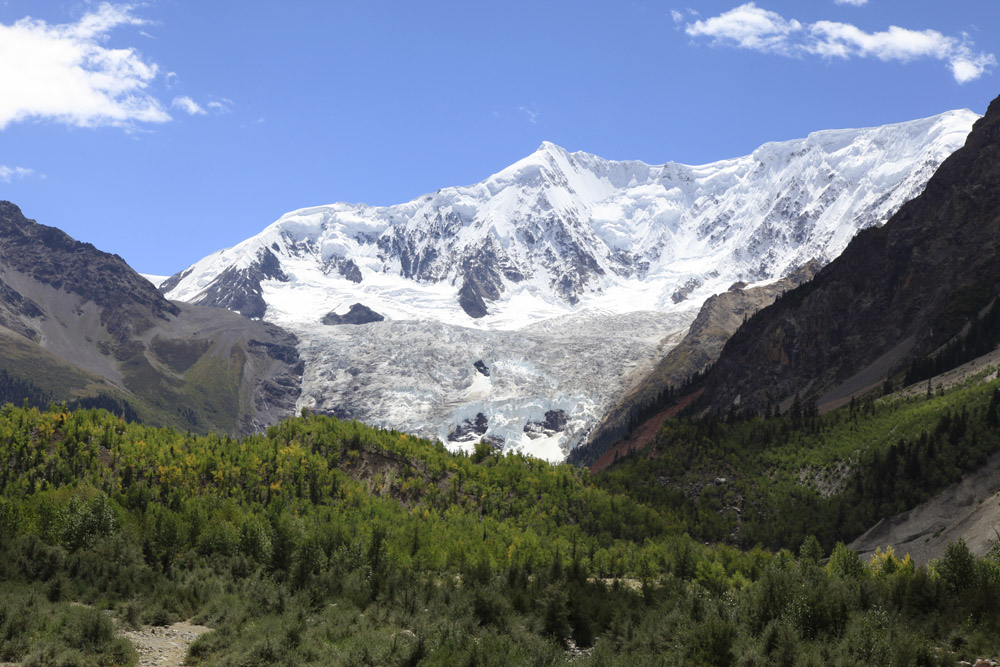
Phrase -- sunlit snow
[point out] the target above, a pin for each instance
(649, 244)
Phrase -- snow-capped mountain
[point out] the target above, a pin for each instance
(557, 247)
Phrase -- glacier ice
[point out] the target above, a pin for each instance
(586, 270)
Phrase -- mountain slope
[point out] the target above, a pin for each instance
(558, 230)
(896, 293)
(77, 321)
(720, 316)
(568, 274)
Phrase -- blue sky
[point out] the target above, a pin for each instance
(168, 129)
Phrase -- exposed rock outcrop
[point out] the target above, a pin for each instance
(358, 314)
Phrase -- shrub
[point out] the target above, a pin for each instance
(957, 567)
(712, 643)
(811, 551)
(82, 521)
(255, 539)
(845, 563)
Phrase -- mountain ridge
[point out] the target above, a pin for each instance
(565, 227)
(79, 321)
(896, 293)
(560, 256)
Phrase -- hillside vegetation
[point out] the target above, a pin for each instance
(330, 543)
(774, 481)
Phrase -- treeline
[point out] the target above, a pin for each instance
(116, 406)
(982, 337)
(19, 391)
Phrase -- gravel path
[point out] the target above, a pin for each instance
(165, 646)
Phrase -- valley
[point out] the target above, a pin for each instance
(602, 334)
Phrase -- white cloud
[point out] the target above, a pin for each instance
(856, 3)
(970, 66)
(8, 174)
(188, 105)
(749, 27)
(757, 29)
(67, 72)
(531, 114)
(676, 16)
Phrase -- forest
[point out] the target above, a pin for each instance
(328, 542)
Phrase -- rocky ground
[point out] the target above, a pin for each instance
(968, 510)
(158, 646)
(164, 646)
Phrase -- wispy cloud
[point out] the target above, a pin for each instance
(67, 72)
(530, 114)
(679, 16)
(8, 174)
(221, 105)
(216, 105)
(751, 27)
(856, 3)
(188, 105)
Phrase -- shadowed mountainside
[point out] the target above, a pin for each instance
(78, 322)
(719, 317)
(896, 293)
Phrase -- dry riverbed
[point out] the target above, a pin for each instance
(164, 646)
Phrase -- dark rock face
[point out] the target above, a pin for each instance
(554, 422)
(282, 352)
(348, 269)
(15, 308)
(470, 429)
(683, 292)
(344, 267)
(896, 293)
(239, 289)
(358, 314)
(472, 301)
(417, 258)
(482, 368)
(483, 273)
(129, 303)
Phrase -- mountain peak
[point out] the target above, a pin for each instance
(549, 147)
(466, 273)
(9, 207)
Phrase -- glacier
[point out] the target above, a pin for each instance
(565, 275)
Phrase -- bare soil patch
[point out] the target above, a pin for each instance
(643, 434)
